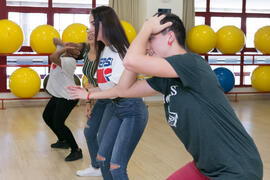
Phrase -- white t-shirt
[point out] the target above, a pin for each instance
(110, 69)
(61, 77)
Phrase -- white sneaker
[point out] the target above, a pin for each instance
(90, 171)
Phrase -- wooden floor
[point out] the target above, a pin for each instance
(25, 152)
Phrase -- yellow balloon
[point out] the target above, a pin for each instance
(262, 40)
(260, 78)
(230, 39)
(11, 36)
(24, 83)
(75, 32)
(201, 39)
(41, 39)
(84, 81)
(129, 30)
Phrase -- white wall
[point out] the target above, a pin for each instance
(149, 7)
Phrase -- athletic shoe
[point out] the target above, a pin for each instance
(90, 171)
(60, 145)
(74, 155)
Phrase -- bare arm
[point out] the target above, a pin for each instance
(55, 57)
(139, 89)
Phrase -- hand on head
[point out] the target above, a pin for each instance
(154, 24)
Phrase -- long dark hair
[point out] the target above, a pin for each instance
(112, 30)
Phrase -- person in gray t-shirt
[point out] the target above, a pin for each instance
(196, 108)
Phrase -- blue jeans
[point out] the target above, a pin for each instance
(122, 136)
(96, 125)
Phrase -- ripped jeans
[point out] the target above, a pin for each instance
(95, 127)
(124, 131)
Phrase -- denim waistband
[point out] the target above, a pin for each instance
(115, 100)
(118, 99)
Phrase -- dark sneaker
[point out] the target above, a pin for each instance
(60, 145)
(74, 155)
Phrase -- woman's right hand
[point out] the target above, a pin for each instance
(78, 92)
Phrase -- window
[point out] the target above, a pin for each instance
(28, 3)
(258, 6)
(253, 24)
(226, 6)
(199, 20)
(200, 5)
(61, 21)
(33, 20)
(219, 22)
(72, 3)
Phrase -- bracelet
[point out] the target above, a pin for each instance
(88, 96)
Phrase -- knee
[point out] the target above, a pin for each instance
(45, 118)
(117, 171)
(100, 158)
(114, 166)
(57, 125)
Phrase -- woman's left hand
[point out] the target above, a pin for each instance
(77, 92)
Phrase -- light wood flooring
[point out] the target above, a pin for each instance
(25, 152)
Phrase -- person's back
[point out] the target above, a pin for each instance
(201, 116)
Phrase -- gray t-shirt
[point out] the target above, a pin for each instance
(202, 118)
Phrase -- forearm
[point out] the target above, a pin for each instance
(109, 93)
(94, 89)
(55, 57)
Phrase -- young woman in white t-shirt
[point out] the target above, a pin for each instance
(130, 115)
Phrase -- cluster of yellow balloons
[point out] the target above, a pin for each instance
(25, 82)
(41, 38)
(228, 39)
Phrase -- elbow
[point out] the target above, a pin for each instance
(129, 63)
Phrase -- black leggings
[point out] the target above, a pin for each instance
(55, 115)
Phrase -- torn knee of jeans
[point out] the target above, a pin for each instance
(87, 126)
(100, 158)
(114, 166)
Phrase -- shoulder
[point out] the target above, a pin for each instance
(187, 59)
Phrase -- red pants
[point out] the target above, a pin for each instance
(188, 172)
